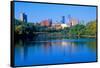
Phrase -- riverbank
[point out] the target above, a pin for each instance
(49, 36)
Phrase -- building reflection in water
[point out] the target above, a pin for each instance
(51, 48)
(47, 47)
(55, 49)
(66, 47)
(23, 50)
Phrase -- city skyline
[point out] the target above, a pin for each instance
(37, 12)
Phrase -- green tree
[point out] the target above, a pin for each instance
(76, 30)
(91, 28)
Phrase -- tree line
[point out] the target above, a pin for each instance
(29, 29)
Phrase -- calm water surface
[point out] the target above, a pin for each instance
(55, 51)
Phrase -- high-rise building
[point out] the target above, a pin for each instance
(50, 21)
(72, 21)
(63, 19)
(23, 17)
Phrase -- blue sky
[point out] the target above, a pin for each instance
(37, 12)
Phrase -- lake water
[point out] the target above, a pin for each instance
(55, 51)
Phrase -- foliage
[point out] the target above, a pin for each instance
(22, 28)
(76, 30)
(90, 28)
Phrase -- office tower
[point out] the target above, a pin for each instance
(23, 17)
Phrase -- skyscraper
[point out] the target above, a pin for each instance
(63, 19)
(50, 21)
(23, 17)
(72, 21)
